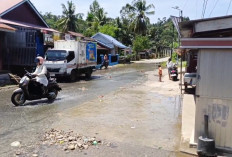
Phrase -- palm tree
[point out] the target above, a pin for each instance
(68, 22)
(96, 18)
(137, 12)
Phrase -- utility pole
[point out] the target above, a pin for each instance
(181, 57)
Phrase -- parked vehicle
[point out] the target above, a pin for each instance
(29, 89)
(104, 64)
(190, 79)
(174, 73)
(70, 59)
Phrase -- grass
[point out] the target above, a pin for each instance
(163, 64)
(184, 64)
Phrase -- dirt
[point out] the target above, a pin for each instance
(144, 114)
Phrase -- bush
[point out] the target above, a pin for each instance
(174, 57)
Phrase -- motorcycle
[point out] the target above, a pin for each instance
(105, 63)
(29, 89)
(174, 73)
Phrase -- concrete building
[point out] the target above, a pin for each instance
(211, 40)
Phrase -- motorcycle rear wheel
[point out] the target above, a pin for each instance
(18, 98)
(53, 97)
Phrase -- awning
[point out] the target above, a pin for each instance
(196, 43)
(6, 28)
(27, 25)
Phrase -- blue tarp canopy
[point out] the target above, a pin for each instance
(108, 41)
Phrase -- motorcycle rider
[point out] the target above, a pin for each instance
(105, 59)
(40, 73)
(169, 66)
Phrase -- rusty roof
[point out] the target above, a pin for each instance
(4, 27)
(6, 5)
(76, 34)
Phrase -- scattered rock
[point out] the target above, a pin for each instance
(71, 147)
(79, 144)
(69, 140)
(108, 144)
(35, 155)
(59, 137)
(15, 144)
(17, 153)
(85, 146)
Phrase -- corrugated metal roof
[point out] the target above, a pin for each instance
(76, 34)
(103, 44)
(8, 4)
(27, 25)
(4, 27)
(111, 39)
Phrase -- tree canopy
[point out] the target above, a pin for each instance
(132, 27)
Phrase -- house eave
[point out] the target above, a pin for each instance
(33, 7)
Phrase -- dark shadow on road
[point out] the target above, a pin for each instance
(39, 102)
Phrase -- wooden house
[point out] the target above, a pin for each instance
(18, 49)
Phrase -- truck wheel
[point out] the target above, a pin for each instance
(73, 76)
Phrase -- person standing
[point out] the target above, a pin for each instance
(169, 66)
(160, 73)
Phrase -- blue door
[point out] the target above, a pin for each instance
(39, 46)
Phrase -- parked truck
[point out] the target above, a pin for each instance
(70, 59)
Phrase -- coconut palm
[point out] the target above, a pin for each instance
(68, 22)
(95, 18)
(137, 12)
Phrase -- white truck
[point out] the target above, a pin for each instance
(70, 59)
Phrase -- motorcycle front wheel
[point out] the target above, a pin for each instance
(18, 98)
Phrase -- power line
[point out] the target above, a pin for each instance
(204, 8)
(196, 7)
(213, 8)
(228, 7)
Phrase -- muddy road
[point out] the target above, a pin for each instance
(125, 105)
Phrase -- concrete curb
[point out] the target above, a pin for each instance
(188, 123)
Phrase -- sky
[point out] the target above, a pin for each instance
(163, 8)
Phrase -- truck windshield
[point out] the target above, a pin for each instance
(56, 55)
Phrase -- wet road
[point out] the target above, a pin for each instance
(27, 123)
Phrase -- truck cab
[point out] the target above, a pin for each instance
(59, 62)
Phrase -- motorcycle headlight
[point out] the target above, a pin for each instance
(22, 80)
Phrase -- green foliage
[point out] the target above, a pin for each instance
(163, 34)
(51, 19)
(174, 57)
(132, 28)
(164, 64)
(109, 29)
(68, 21)
(137, 14)
(140, 43)
(96, 18)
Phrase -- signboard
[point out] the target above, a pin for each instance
(67, 37)
(91, 52)
(56, 36)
